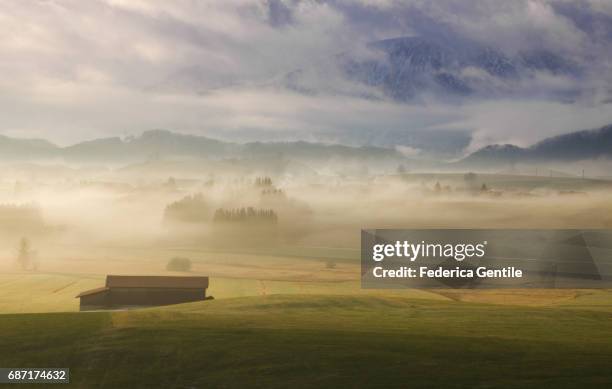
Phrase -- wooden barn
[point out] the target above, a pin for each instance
(143, 291)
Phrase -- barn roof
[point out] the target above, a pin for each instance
(113, 281)
(92, 291)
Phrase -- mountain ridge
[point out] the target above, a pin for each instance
(571, 147)
(158, 144)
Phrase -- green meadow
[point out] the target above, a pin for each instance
(280, 341)
(310, 332)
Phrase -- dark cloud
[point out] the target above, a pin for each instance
(279, 13)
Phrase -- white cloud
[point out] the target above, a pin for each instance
(74, 70)
(526, 122)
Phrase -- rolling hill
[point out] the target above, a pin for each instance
(157, 144)
(160, 144)
(572, 147)
(319, 341)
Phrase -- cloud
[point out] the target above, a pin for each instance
(74, 70)
(524, 123)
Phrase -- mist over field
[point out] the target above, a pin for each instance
(77, 213)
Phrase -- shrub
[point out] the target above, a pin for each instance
(179, 264)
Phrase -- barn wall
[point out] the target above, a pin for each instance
(153, 296)
(94, 301)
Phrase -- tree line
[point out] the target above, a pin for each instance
(192, 208)
(245, 215)
(263, 181)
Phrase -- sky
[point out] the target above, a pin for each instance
(75, 70)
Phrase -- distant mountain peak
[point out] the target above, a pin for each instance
(448, 66)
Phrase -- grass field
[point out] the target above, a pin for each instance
(311, 332)
(280, 321)
(233, 274)
(325, 341)
(55, 292)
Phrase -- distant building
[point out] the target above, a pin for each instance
(143, 291)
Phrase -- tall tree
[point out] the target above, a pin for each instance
(24, 254)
